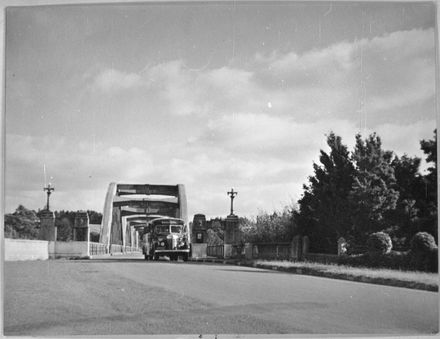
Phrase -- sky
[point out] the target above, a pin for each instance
(212, 95)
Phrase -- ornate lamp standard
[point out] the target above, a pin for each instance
(49, 190)
(232, 194)
(232, 233)
(48, 230)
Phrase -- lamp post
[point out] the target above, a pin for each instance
(49, 190)
(232, 194)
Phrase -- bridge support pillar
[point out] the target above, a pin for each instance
(47, 226)
(116, 235)
(81, 230)
(232, 231)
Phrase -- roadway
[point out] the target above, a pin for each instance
(127, 295)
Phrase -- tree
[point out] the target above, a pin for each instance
(22, 224)
(374, 189)
(64, 221)
(324, 213)
(94, 217)
(404, 218)
(276, 227)
(428, 204)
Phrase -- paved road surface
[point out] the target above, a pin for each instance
(131, 296)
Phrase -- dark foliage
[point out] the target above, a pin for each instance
(370, 191)
(428, 200)
(22, 224)
(94, 217)
(392, 260)
(276, 227)
(423, 242)
(379, 243)
(324, 210)
(373, 193)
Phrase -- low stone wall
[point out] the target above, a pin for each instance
(21, 249)
(70, 249)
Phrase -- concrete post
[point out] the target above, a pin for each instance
(47, 226)
(227, 253)
(136, 239)
(81, 229)
(295, 249)
(342, 246)
(248, 251)
(255, 251)
(305, 246)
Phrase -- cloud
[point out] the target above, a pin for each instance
(372, 77)
(110, 80)
(399, 69)
(378, 76)
(270, 136)
(76, 168)
(257, 128)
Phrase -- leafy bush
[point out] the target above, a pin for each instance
(424, 252)
(423, 242)
(379, 243)
(274, 227)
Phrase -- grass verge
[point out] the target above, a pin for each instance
(410, 279)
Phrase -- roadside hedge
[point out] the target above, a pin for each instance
(423, 255)
(399, 260)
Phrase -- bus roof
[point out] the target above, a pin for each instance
(166, 219)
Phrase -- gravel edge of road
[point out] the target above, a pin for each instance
(319, 273)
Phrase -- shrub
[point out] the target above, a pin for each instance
(423, 242)
(379, 243)
(424, 252)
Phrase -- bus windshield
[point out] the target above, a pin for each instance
(162, 229)
(175, 229)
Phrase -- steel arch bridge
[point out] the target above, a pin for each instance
(128, 208)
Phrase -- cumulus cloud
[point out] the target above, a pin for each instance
(75, 168)
(374, 77)
(257, 129)
(378, 75)
(113, 80)
(271, 136)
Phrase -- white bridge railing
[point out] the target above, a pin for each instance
(96, 248)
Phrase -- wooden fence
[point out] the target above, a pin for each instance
(280, 251)
(217, 251)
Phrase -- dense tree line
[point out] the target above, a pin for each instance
(24, 223)
(352, 195)
(277, 226)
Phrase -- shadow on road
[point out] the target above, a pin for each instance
(128, 260)
(248, 270)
